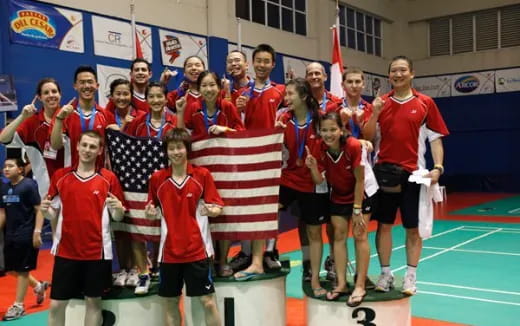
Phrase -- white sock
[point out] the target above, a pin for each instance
(38, 287)
(270, 244)
(411, 270)
(386, 270)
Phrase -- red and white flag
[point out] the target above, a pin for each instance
(336, 68)
(246, 166)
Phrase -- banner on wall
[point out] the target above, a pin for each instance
(380, 84)
(367, 91)
(106, 75)
(113, 38)
(473, 83)
(42, 25)
(8, 101)
(507, 80)
(176, 47)
(438, 86)
(294, 67)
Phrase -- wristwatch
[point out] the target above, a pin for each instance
(439, 167)
(356, 211)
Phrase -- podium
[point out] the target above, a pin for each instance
(257, 302)
(388, 309)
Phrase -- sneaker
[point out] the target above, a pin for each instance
(330, 267)
(271, 261)
(240, 261)
(409, 287)
(143, 285)
(307, 274)
(132, 278)
(154, 273)
(39, 291)
(14, 312)
(385, 282)
(121, 278)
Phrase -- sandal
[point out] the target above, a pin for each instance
(319, 293)
(225, 271)
(355, 300)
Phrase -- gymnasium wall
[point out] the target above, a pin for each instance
(480, 150)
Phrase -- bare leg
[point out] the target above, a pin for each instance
(22, 284)
(172, 312)
(57, 312)
(257, 258)
(413, 246)
(211, 314)
(362, 255)
(224, 251)
(139, 251)
(316, 249)
(93, 311)
(340, 250)
(330, 236)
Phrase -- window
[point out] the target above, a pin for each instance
(287, 15)
(359, 31)
(476, 31)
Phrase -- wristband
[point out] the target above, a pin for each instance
(357, 206)
(439, 167)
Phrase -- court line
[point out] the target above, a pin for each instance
(508, 232)
(449, 249)
(477, 251)
(468, 288)
(469, 298)
(490, 227)
(514, 210)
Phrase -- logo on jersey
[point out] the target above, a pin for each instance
(96, 192)
(467, 84)
(413, 111)
(272, 100)
(189, 195)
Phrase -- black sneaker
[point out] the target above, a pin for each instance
(330, 267)
(271, 261)
(240, 261)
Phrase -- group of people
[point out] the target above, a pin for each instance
(329, 150)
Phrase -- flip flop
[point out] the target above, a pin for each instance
(358, 300)
(246, 276)
(334, 295)
(318, 290)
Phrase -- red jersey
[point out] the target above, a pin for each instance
(173, 97)
(83, 230)
(115, 118)
(35, 131)
(141, 126)
(185, 233)
(226, 115)
(73, 127)
(404, 126)
(262, 105)
(339, 170)
(295, 174)
(329, 102)
(138, 102)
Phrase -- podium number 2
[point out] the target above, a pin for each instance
(370, 315)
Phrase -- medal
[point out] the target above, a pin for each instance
(299, 162)
(300, 143)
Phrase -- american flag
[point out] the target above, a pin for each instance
(133, 160)
(246, 167)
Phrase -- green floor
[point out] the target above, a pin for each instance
(503, 207)
(468, 274)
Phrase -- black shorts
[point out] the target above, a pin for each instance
(407, 201)
(346, 209)
(314, 208)
(196, 275)
(77, 278)
(20, 256)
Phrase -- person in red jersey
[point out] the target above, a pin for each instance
(83, 199)
(261, 101)
(154, 124)
(31, 130)
(406, 118)
(193, 66)
(316, 76)
(78, 116)
(213, 115)
(159, 120)
(236, 68)
(340, 157)
(140, 74)
(354, 106)
(184, 196)
(124, 113)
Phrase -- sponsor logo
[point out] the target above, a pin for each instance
(467, 84)
(96, 192)
(114, 37)
(272, 100)
(208, 287)
(189, 195)
(413, 111)
(33, 24)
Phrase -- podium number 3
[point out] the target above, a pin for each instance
(370, 315)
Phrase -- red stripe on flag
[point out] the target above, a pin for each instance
(235, 150)
(142, 221)
(250, 201)
(244, 167)
(135, 204)
(258, 235)
(247, 184)
(245, 218)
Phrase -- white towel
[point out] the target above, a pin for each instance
(428, 194)
(371, 185)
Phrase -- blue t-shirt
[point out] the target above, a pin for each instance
(19, 201)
